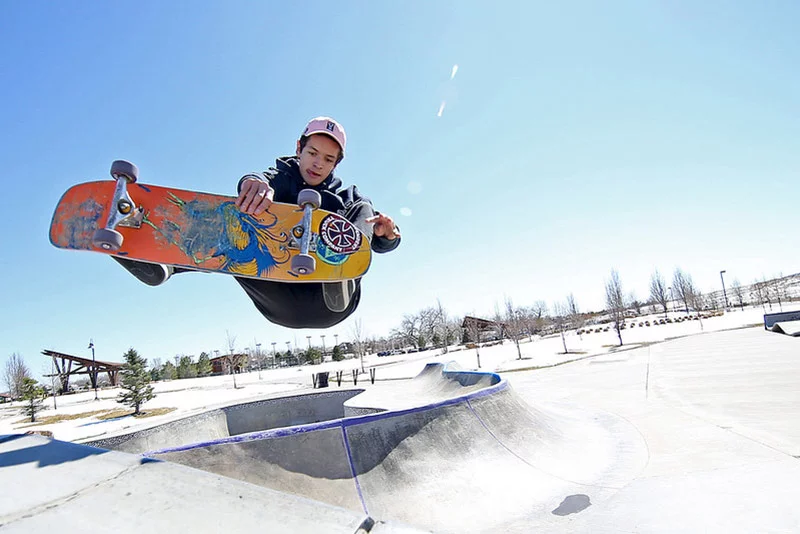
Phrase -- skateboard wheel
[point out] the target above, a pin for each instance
(124, 169)
(107, 239)
(309, 196)
(303, 264)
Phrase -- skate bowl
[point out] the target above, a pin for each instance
(447, 451)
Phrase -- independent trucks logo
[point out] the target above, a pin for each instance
(339, 235)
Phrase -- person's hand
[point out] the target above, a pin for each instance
(384, 226)
(255, 197)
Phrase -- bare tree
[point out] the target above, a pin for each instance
(779, 290)
(536, 317)
(441, 335)
(574, 314)
(769, 291)
(428, 326)
(697, 301)
(529, 319)
(474, 333)
(615, 302)
(514, 324)
(759, 293)
(682, 284)
(409, 330)
(499, 323)
(357, 334)
(539, 308)
(15, 374)
(738, 292)
(231, 358)
(658, 290)
(560, 318)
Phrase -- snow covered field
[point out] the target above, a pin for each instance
(190, 396)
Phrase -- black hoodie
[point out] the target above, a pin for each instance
(302, 305)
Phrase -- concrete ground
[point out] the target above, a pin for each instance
(696, 434)
(720, 414)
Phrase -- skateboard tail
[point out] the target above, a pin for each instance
(75, 219)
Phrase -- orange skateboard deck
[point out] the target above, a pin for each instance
(207, 232)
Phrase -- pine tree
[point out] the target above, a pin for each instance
(33, 393)
(155, 374)
(204, 365)
(312, 355)
(135, 382)
(186, 368)
(169, 372)
(338, 355)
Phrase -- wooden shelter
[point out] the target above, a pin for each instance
(67, 365)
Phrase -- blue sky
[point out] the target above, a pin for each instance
(575, 138)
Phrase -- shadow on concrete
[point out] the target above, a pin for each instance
(52, 452)
(573, 504)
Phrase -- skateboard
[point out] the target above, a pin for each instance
(207, 232)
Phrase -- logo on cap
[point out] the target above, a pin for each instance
(331, 126)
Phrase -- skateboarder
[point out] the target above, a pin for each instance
(320, 149)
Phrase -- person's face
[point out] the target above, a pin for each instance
(318, 158)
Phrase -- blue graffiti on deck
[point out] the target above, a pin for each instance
(207, 231)
(79, 229)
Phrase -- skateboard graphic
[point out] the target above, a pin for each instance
(207, 232)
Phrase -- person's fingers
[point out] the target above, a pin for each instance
(240, 199)
(249, 203)
(253, 197)
(383, 226)
(243, 193)
(263, 205)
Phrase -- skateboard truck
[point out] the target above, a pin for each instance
(123, 210)
(304, 263)
(297, 234)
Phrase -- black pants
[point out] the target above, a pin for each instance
(296, 305)
(302, 305)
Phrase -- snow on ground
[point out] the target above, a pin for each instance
(191, 396)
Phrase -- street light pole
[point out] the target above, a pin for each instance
(53, 381)
(724, 293)
(274, 354)
(258, 359)
(93, 374)
(323, 345)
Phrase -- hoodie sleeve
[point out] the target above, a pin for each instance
(353, 197)
(381, 244)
